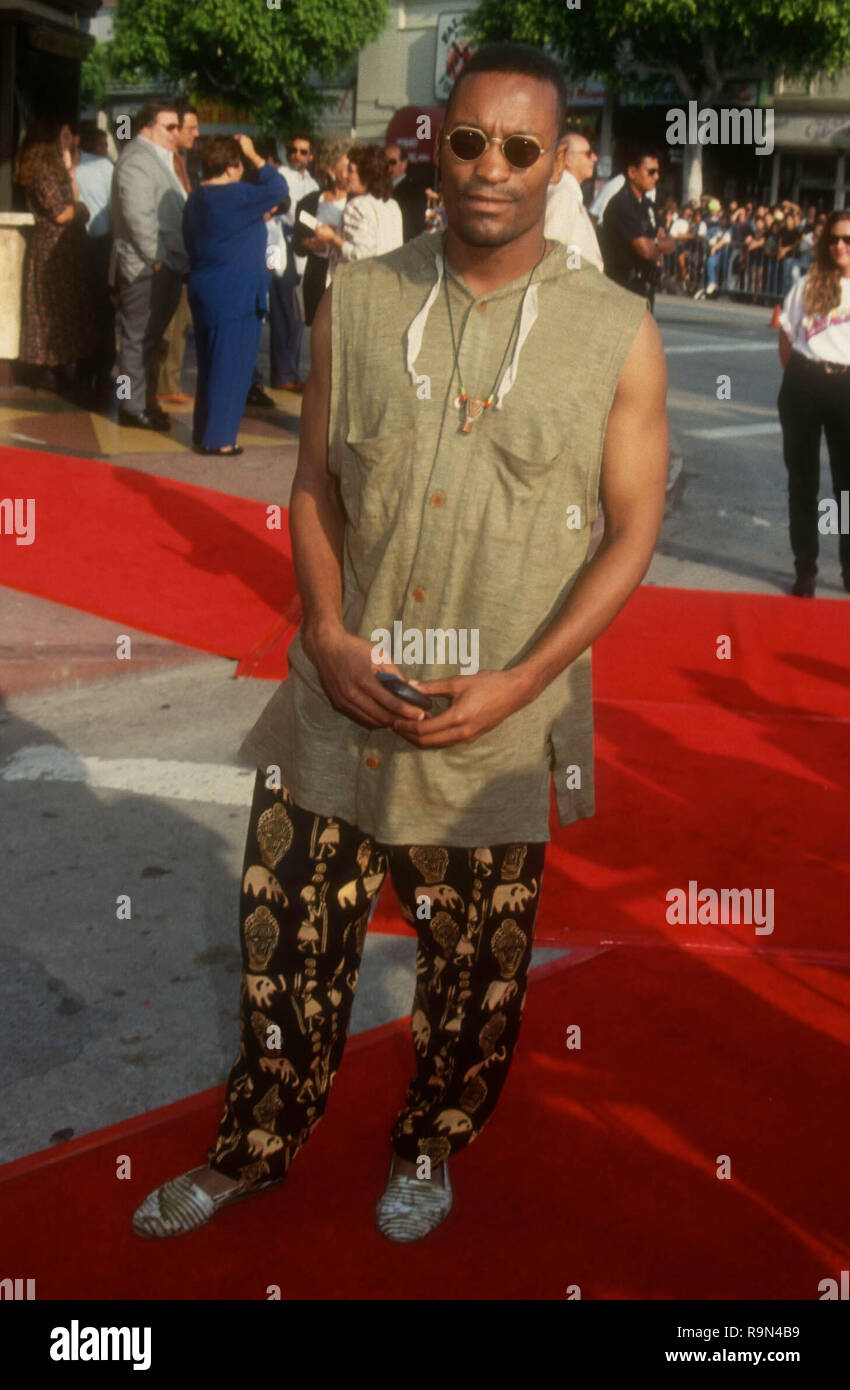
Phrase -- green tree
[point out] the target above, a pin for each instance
(94, 75)
(699, 46)
(250, 53)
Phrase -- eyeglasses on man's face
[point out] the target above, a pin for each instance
(172, 125)
(298, 149)
(468, 142)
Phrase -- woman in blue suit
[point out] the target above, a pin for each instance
(225, 233)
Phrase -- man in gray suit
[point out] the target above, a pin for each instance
(151, 262)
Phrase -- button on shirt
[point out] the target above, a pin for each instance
(475, 579)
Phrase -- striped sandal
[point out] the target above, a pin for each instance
(181, 1205)
(411, 1208)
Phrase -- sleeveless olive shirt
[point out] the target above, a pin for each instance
(451, 531)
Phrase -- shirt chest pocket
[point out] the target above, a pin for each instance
(522, 489)
(375, 474)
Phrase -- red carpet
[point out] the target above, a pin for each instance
(201, 568)
(731, 773)
(706, 794)
(698, 1040)
(186, 563)
(598, 1168)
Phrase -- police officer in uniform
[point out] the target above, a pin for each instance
(628, 237)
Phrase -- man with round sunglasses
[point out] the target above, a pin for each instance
(631, 244)
(473, 395)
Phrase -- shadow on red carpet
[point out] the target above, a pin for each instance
(598, 1169)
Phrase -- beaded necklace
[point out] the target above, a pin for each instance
(473, 406)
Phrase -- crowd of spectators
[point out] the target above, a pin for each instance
(110, 235)
(747, 249)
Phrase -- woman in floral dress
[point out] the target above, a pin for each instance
(56, 326)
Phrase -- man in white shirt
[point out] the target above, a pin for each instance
(285, 328)
(94, 180)
(567, 218)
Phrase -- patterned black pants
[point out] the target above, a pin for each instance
(309, 883)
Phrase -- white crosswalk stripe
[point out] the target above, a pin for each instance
(153, 777)
(694, 348)
(735, 431)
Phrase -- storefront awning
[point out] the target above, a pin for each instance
(414, 130)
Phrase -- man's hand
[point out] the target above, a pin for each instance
(349, 675)
(479, 703)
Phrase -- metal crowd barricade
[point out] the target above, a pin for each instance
(758, 276)
(671, 279)
(755, 275)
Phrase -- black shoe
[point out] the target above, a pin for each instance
(159, 415)
(257, 396)
(804, 586)
(221, 453)
(146, 419)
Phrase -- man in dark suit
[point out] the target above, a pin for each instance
(408, 193)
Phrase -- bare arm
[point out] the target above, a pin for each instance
(317, 527)
(645, 247)
(632, 483)
(315, 516)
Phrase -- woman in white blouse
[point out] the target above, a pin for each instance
(371, 223)
(814, 349)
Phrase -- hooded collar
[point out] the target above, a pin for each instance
(432, 250)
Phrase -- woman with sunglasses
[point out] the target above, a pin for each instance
(814, 349)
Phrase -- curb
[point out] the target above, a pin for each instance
(675, 485)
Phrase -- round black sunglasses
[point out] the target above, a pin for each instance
(467, 142)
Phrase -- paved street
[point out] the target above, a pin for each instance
(730, 529)
(120, 778)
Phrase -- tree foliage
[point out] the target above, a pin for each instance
(245, 52)
(700, 45)
(94, 75)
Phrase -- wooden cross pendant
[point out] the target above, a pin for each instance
(472, 408)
